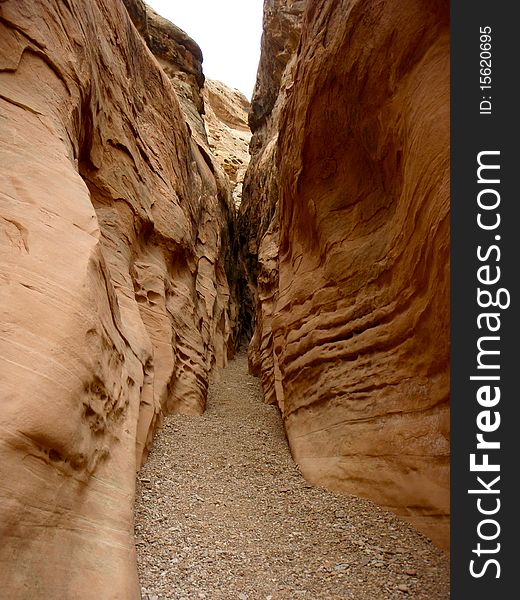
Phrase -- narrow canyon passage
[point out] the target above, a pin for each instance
(151, 221)
(223, 512)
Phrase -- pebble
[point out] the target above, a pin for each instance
(233, 518)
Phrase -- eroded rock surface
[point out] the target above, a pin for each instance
(258, 280)
(115, 304)
(226, 113)
(181, 59)
(347, 242)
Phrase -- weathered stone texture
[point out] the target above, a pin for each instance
(259, 274)
(352, 281)
(115, 305)
(225, 115)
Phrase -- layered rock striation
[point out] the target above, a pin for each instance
(226, 118)
(258, 278)
(181, 59)
(115, 237)
(121, 170)
(344, 227)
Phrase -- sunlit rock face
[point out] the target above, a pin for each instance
(225, 115)
(217, 119)
(181, 59)
(115, 233)
(349, 242)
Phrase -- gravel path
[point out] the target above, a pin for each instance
(222, 512)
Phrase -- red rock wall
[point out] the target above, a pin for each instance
(258, 275)
(225, 116)
(115, 305)
(353, 300)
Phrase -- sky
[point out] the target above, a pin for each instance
(228, 33)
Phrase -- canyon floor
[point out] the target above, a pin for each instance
(223, 513)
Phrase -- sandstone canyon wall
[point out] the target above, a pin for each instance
(258, 276)
(225, 115)
(344, 230)
(115, 237)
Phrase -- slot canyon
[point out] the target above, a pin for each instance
(224, 355)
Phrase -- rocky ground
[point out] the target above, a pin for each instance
(223, 513)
